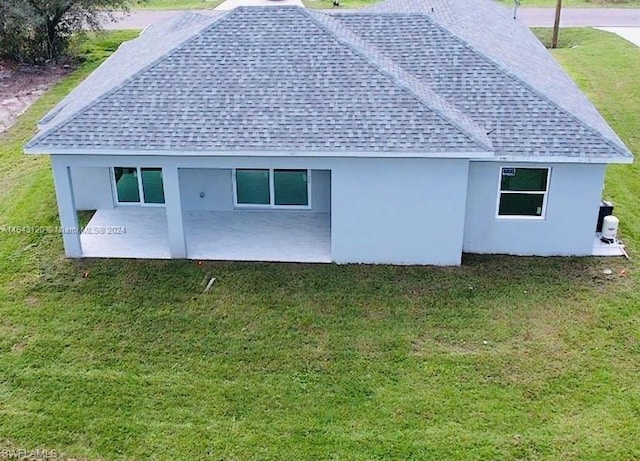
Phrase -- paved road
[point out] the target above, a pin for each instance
(230, 4)
(533, 17)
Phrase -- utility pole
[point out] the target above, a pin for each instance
(556, 25)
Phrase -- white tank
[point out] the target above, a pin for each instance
(610, 228)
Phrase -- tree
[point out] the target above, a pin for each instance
(39, 30)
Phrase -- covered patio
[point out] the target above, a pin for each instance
(141, 232)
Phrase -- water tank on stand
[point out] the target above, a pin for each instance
(609, 229)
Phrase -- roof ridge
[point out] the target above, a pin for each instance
(401, 77)
(49, 130)
(621, 148)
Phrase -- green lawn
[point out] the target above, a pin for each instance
(203, 4)
(503, 358)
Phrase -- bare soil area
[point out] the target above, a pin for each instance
(20, 86)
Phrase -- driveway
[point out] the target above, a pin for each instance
(628, 33)
(533, 17)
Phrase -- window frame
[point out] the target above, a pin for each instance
(141, 202)
(545, 195)
(272, 196)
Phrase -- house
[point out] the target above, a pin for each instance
(405, 133)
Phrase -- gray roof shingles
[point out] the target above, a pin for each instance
(491, 30)
(131, 57)
(267, 79)
(520, 120)
(281, 79)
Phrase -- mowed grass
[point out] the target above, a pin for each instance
(502, 358)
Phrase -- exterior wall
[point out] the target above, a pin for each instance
(398, 211)
(214, 183)
(217, 186)
(66, 207)
(570, 221)
(321, 191)
(92, 188)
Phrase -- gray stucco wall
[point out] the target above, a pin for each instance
(570, 221)
(321, 191)
(217, 186)
(92, 188)
(401, 211)
(214, 183)
(383, 210)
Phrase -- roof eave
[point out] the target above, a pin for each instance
(619, 159)
(44, 150)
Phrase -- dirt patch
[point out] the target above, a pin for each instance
(20, 86)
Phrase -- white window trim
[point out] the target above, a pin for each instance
(272, 195)
(114, 186)
(545, 197)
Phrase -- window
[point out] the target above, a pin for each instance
(253, 187)
(272, 188)
(129, 181)
(127, 184)
(523, 192)
(290, 187)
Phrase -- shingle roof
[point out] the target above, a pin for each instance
(133, 56)
(521, 121)
(274, 79)
(289, 79)
(491, 30)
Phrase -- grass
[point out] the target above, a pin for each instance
(503, 358)
(325, 4)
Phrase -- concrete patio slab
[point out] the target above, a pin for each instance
(141, 232)
(127, 232)
(607, 249)
(287, 236)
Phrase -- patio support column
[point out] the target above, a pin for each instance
(173, 204)
(67, 209)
